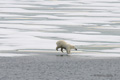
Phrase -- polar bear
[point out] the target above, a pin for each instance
(63, 45)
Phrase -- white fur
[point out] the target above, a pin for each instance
(63, 44)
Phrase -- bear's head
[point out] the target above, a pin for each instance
(73, 47)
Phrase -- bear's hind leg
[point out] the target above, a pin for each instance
(57, 48)
(62, 49)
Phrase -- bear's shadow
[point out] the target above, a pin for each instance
(63, 55)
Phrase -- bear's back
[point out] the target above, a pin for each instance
(61, 42)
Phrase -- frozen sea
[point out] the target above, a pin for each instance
(90, 25)
(29, 30)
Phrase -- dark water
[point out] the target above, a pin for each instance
(90, 25)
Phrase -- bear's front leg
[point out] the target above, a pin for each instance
(68, 50)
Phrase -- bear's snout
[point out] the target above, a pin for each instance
(76, 49)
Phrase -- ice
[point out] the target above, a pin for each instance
(39, 24)
(14, 55)
(98, 55)
(112, 50)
